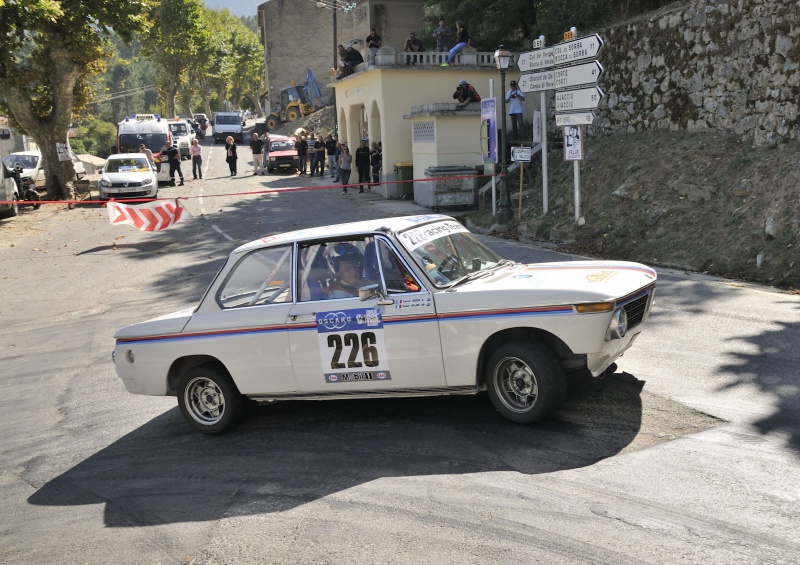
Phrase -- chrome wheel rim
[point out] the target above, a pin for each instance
(516, 385)
(204, 401)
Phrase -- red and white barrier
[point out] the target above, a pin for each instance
(148, 216)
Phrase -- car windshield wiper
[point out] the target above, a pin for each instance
(480, 274)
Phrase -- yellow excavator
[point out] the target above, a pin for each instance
(296, 101)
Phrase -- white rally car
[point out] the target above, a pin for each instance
(399, 307)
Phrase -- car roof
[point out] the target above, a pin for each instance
(342, 230)
(34, 152)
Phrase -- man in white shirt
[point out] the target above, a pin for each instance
(514, 99)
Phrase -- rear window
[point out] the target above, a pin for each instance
(228, 120)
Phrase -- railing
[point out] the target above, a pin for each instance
(388, 57)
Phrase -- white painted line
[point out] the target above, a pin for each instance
(200, 198)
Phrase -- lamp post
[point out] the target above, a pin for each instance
(502, 58)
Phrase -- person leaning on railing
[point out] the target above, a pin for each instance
(413, 45)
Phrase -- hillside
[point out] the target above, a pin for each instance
(698, 201)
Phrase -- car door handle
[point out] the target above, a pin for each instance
(293, 317)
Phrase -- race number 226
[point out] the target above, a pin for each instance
(363, 345)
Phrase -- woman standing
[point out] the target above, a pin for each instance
(462, 42)
(345, 165)
(230, 154)
(197, 159)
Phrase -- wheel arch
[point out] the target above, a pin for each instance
(569, 360)
(183, 364)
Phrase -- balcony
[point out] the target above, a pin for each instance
(387, 57)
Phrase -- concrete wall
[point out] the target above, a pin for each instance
(705, 64)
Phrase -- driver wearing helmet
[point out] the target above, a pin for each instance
(347, 263)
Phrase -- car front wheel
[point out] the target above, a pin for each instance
(209, 400)
(525, 382)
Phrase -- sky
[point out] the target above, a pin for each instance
(235, 7)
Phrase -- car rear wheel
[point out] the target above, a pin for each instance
(209, 400)
(525, 382)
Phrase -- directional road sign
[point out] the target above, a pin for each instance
(522, 154)
(578, 75)
(535, 60)
(580, 99)
(577, 49)
(577, 119)
(536, 82)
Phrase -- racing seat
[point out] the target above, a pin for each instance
(313, 287)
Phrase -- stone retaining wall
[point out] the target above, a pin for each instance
(727, 65)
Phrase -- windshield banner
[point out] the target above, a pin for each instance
(415, 237)
(147, 216)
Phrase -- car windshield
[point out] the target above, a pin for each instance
(229, 120)
(447, 251)
(281, 146)
(178, 129)
(130, 142)
(131, 165)
(27, 161)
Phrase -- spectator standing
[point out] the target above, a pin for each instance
(462, 42)
(331, 148)
(413, 45)
(376, 161)
(465, 94)
(362, 164)
(197, 159)
(301, 145)
(257, 146)
(146, 151)
(230, 154)
(353, 58)
(174, 159)
(319, 156)
(373, 42)
(442, 35)
(514, 99)
(265, 153)
(345, 164)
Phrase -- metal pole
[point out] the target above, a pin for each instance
(545, 194)
(494, 177)
(577, 175)
(504, 214)
(335, 66)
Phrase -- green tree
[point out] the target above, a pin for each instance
(95, 136)
(49, 50)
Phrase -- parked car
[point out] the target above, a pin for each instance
(128, 175)
(387, 307)
(282, 154)
(182, 135)
(32, 165)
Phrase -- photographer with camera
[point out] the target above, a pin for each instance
(414, 45)
(466, 94)
(514, 99)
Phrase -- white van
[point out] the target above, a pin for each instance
(149, 130)
(182, 135)
(228, 123)
(8, 187)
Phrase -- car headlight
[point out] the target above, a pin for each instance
(104, 183)
(145, 182)
(272, 158)
(618, 326)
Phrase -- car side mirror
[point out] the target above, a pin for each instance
(374, 291)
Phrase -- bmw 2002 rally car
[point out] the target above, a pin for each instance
(400, 307)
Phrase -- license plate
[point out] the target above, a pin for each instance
(132, 189)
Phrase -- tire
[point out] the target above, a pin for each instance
(292, 115)
(271, 123)
(270, 170)
(525, 382)
(209, 400)
(13, 210)
(240, 138)
(33, 196)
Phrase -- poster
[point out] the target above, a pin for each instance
(573, 143)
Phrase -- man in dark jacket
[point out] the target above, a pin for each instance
(362, 164)
(352, 58)
(174, 160)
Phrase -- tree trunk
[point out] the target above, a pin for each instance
(52, 128)
(256, 102)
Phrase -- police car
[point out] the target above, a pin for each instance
(389, 307)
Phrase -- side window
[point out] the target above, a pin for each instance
(396, 275)
(261, 277)
(334, 269)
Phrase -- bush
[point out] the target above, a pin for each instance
(95, 137)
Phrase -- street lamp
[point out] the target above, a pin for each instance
(503, 59)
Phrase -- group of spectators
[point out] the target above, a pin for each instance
(349, 57)
(312, 152)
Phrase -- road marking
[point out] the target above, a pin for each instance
(200, 198)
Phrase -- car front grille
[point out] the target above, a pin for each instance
(127, 194)
(125, 184)
(284, 159)
(635, 309)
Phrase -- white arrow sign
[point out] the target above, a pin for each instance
(579, 75)
(536, 82)
(577, 49)
(535, 60)
(580, 99)
(578, 119)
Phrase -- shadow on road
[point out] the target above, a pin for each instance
(291, 453)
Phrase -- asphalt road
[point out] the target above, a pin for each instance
(690, 453)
